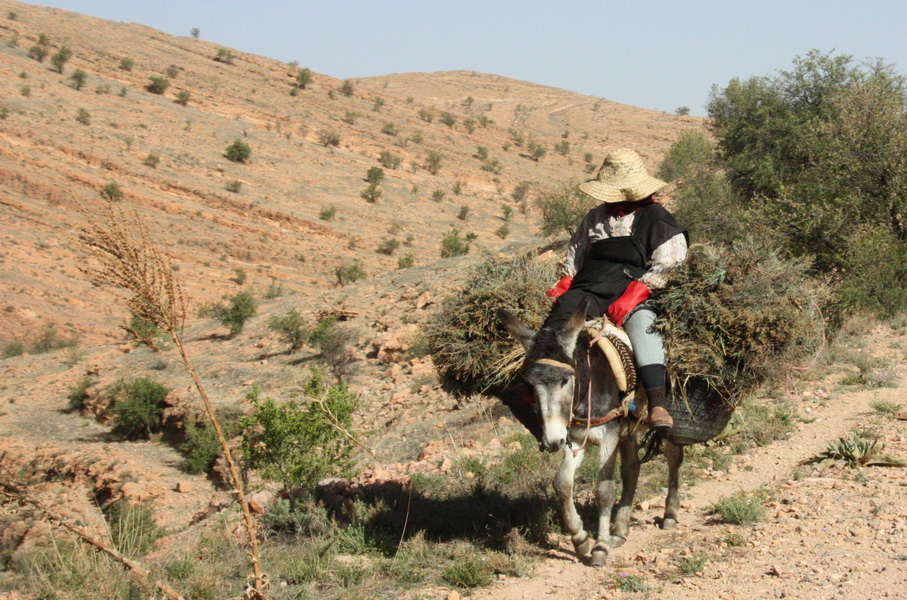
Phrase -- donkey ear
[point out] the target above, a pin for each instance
(517, 329)
(573, 326)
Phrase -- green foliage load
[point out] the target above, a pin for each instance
(467, 342)
(740, 316)
(238, 151)
(137, 407)
(296, 444)
(564, 208)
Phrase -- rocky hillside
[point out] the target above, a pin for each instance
(62, 140)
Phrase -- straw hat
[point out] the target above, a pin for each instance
(622, 178)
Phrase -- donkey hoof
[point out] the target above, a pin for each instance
(668, 523)
(617, 540)
(584, 547)
(599, 558)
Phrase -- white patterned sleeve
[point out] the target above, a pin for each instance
(577, 249)
(669, 255)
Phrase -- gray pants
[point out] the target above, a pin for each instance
(648, 345)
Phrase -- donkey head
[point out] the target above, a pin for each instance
(549, 370)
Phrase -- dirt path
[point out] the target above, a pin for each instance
(833, 534)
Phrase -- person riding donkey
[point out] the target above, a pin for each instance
(618, 255)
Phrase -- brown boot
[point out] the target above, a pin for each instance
(659, 417)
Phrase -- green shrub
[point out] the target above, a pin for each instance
(234, 186)
(225, 55)
(182, 97)
(406, 261)
(137, 407)
(438, 195)
(467, 341)
(690, 156)
(481, 153)
(126, 64)
(469, 125)
(448, 119)
(350, 117)
(507, 211)
(296, 444)
(291, 329)
(875, 277)
(349, 272)
(564, 208)
(388, 246)
(328, 213)
(49, 340)
(83, 117)
(13, 349)
(390, 129)
(158, 85)
(238, 151)
(152, 160)
(346, 88)
(433, 162)
(389, 160)
(464, 213)
(304, 77)
(79, 392)
(468, 571)
(38, 52)
(77, 79)
(426, 115)
(239, 276)
(453, 245)
(374, 175)
(329, 138)
(239, 308)
(372, 193)
(562, 147)
(520, 191)
(60, 59)
(536, 151)
(503, 231)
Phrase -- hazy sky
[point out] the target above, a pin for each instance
(651, 54)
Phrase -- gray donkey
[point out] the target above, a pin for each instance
(571, 385)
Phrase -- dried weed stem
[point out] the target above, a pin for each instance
(143, 276)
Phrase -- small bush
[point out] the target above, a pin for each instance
(536, 151)
(349, 117)
(433, 162)
(564, 208)
(112, 192)
(304, 77)
(372, 193)
(182, 97)
(448, 119)
(291, 329)
(389, 160)
(406, 261)
(126, 64)
(77, 79)
(38, 53)
(137, 407)
(741, 508)
(13, 349)
(453, 245)
(158, 85)
(234, 186)
(690, 565)
(346, 88)
(201, 448)
(388, 246)
(329, 138)
(83, 117)
(60, 59)
(468, 571)
(328, 213)
(239, 308)
(374, 175)
(503, 231)
(152, 160)
(562, 147)
(349, 272)
(438, 195)
(426, 115)
(295, 444)
(79, 393)
(464, 213)
(225, 55)
(390, 129)
(238, 151)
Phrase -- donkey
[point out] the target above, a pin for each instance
(568, 380)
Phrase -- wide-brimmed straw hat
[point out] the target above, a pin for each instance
(622, 178)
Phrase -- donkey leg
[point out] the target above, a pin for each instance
(604, 493)
(629, 476)
(563, 488)
(674, 456)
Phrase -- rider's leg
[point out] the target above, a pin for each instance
(648, 348)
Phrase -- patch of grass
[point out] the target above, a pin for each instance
(630, 583)
(741, 508)
(468, 571)
(735, 539)
(133, 529)
(885, 407)
(690, 565)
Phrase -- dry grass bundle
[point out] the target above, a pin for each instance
(740, 317)
(469, 347)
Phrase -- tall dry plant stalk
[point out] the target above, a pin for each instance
(142, 275)
(20, 494)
